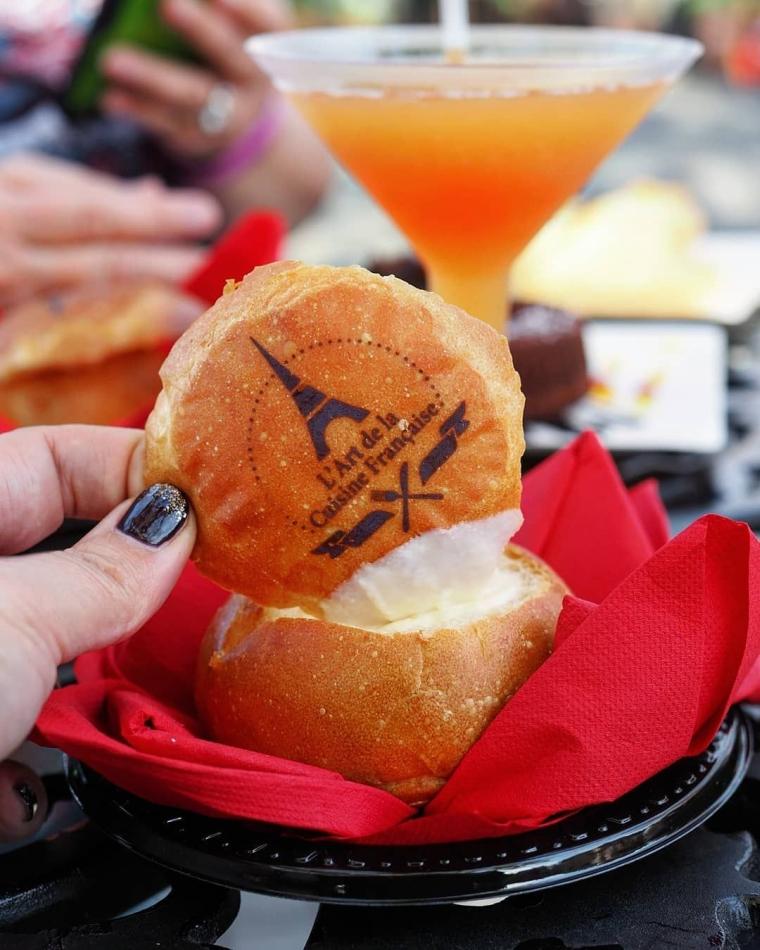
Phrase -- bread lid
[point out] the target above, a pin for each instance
(319, 418)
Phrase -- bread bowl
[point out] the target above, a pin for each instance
(395, 707)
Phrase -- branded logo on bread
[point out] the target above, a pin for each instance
(370, 468)
(314, 406)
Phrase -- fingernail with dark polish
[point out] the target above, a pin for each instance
(28, 800)
(156, 515)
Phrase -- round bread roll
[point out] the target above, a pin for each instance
(83, 327)
(395, 707)
(320, 418)
(96, 395)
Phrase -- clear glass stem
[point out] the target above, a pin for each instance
(484, 295)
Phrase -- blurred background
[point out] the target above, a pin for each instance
(126, 154)
(707, 133)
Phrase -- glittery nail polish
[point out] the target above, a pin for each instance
(28, 800)
(156, 515)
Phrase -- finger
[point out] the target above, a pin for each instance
(23, 802)
(61, 212)
(179, 129)
(214, 36)
(55, 606)
(68, 265)
(53, 472)
(258, 16)
(15, 281)
(30, 169)
(173, 85)
(46, 199)
(107, 585)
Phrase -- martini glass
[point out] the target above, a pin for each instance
(471, 155)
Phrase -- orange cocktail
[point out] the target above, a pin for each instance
(471, 155)
(470, 181)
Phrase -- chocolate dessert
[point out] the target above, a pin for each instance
(405, 268)
(547, 350)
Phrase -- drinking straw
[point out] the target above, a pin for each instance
(456, 26)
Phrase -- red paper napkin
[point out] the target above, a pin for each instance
(658, 641)
(256, 238)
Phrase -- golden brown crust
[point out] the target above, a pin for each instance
(434, 402)
(86, 326)
(393, 710)
(97, 395)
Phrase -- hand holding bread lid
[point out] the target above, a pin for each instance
(351, 447)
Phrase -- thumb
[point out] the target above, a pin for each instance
(106, 586)
(55, 606)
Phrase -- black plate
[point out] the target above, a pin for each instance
(271, 860)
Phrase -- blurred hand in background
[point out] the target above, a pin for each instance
(62, 225)
(199, 112)
(168, 96)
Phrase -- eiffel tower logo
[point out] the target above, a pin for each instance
(318, 409)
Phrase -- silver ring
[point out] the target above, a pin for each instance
(215, 114)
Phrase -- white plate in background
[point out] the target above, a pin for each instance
(656, 386)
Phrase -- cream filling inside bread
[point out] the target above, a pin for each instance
(446, 577)
(433, 571)
(511, 583)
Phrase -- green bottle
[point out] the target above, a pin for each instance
(136, 22)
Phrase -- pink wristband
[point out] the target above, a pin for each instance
(245, 151)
